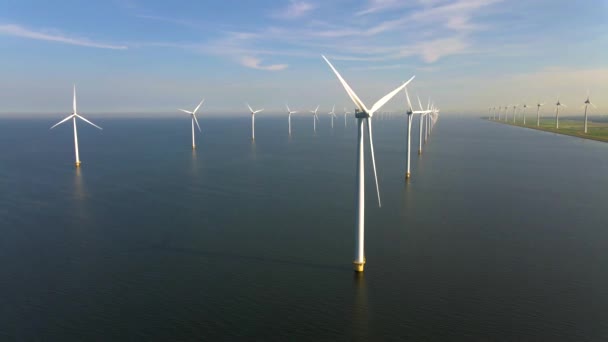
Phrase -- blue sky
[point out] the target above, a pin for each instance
(155, 56)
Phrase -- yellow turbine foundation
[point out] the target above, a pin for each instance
(407, 175)
(358, 266)
(194, 147)
(78, 163)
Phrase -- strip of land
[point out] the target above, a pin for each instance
(595, 130)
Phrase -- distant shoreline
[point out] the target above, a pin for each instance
(567, 130)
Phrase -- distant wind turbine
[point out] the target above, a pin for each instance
(557, 105)
(514, 109)
(538, 105)
(253, 113)
(421, 121)
(314, 118)
(73, 116)
(333, 115)
(523, 112)
(363, 114)
(410, 112)
(345, 112)
(587, 103)
(193, 118)
(289, 112)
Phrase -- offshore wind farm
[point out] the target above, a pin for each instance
(414, 209)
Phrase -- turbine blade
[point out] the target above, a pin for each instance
(371, 146)
(257, 111)
(62, 121)
(349, 91)
(186, 111)
(409, 103)
(289, 110)
(419, 102)
(87, 121)
(591, 103)
(248, 106)
(196, 121)
(74, 103)
(197, 107)
(317, 109)
(387, 97)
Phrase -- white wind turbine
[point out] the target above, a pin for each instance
(421, 121)
(345, 112)
(523, 112)
(499, 111)
(314, 118)
(557, 105)
(410, 112)
(333, 115)
(253, 113)
(587, 103)
(363, 114)
(538, 105)
(73, 116)
(193, 118)
(289, 112)
(514, 109)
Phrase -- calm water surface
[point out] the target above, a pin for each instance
(501, 234)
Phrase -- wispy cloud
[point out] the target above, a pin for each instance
(295, 9)
(256, 63)
(19, 31)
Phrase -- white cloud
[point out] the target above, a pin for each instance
(256, 63)
(295, 9)
(19, 31)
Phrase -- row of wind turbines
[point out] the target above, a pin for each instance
(427, 120)
(495, 113)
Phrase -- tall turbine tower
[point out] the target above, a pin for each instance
(523, 112)
(499, 111)
(557, 105)
(253, 113)
(587, 103)
(193, 118)
(538, 105)
(73, 116)
(289, 112)
(314, 118)
(363, 114)
(514, 109)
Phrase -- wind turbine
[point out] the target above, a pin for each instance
(345, 112)
(587, 103)
(253, 113)
(506, 114)
(193, 117)
(314, 118)
(289, 112)
(538, 105)
(523, 112)
(421, 121)
(514, 108)
(73, 116)
(557, 105)
(363, 114)
(499, 111)
(410, 111)
(332, 114)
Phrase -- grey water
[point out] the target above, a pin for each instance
(500, 235)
